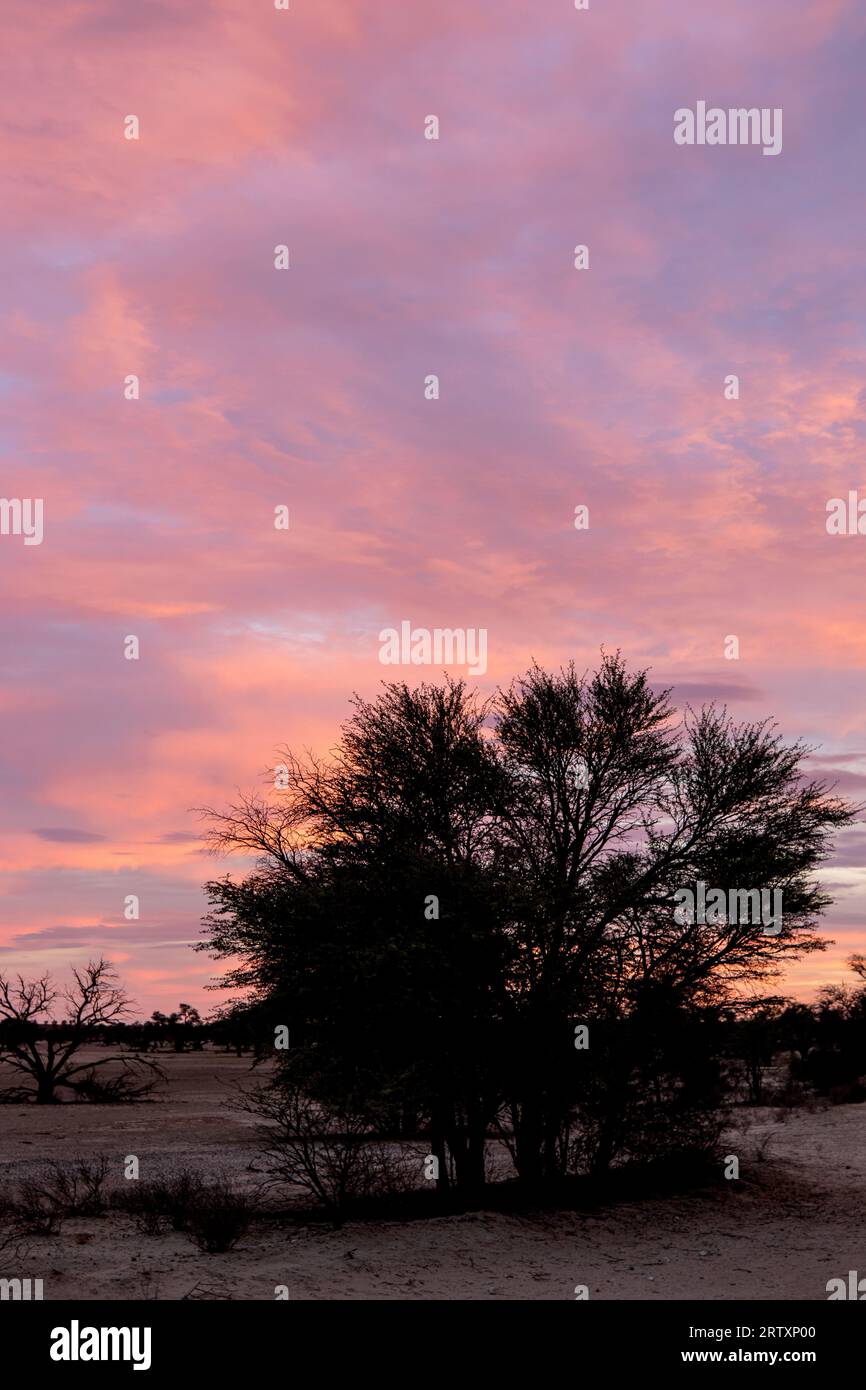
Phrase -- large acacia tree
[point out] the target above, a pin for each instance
(616, 805)
(438, 905)
(372, 926)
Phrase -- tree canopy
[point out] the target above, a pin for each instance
(438, 906)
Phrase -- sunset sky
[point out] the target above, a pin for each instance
(305, 388)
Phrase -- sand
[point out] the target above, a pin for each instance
(794, 1219)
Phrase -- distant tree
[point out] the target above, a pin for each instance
(835, 1063)
(47, 1053)
(797, 1030)
(758, 1037)
(858, 965)
(177, 1027)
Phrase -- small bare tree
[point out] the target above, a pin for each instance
(51, 1061)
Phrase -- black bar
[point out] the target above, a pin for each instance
(192, 1341)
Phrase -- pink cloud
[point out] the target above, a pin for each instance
(305, 388)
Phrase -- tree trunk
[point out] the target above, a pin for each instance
(470, 1155)
(527, 1145)
(45, 1091)
(437, 1148)
(554, 1163)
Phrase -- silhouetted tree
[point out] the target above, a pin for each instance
(439, 905)
(390, 1008)
(616, 808)
(835, 1063)
(178, 1028)
(48, 1054)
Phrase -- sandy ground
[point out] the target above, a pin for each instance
(794, 1220)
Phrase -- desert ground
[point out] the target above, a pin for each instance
(793, 1220)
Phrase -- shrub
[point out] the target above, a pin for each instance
(336, 1157)
(213, 1214)
(77, 1188)
(111, 1090)
(169, 1199)
(61, 1190)
(219, 1217)
(36, 1212)
(12, 1251)
(138, 1203)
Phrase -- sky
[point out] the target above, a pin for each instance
(307, 388)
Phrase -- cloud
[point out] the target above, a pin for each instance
(65, 836)
(715, 690)
(97, 936)
(305, 389)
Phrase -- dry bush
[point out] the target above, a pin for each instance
(219, 1217)
(76, 1188)
(60, 1190)
(35, 1212)
(335, 1157)
(114, 1090)
(13, 1250)
(213, 1214)
(169, 1200)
